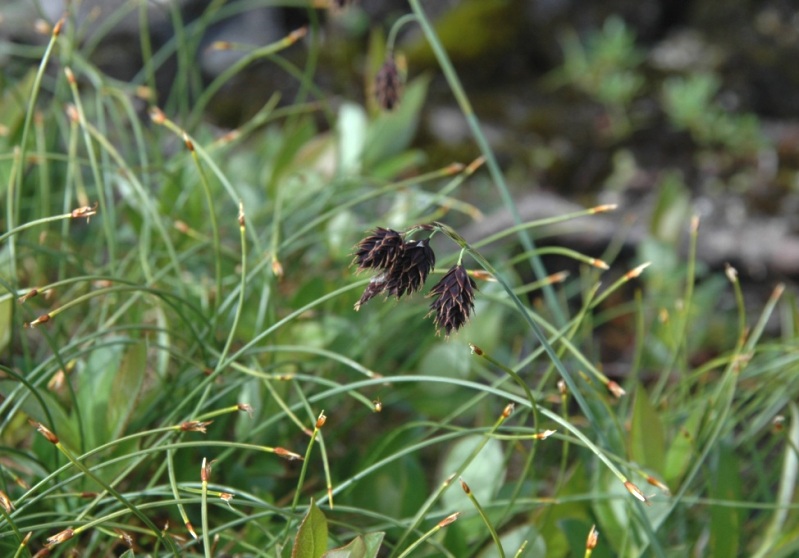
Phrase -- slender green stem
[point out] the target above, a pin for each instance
(491, 162)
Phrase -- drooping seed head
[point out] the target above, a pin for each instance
(388, 85)
(411, 268)
(454, 300)
(379, 250)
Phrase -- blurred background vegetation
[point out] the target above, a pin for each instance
(183, 183)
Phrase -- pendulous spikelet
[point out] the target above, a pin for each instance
(454, 300)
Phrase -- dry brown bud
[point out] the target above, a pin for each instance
(57, 29)
(633, 273)
(377, 405)
(449, 519)
(635, 491)
(241, 215)
(465, 487)
(604, 208)
(85, 211)
(508, 410)
(70, 75)
(27, 296)
(205, 471)
(5, 502)
(226, 497)
(194, 426)
(247, 408)
(290, 455)
(562, 388)
(189, 528)
(52, 438)
(157, 115)
(320, 422)
(654, 482)
(88, 495)
(277, 268)
(58, 538)
(731, 273)
(615, 389)
(593, 538)
(297, 34)
(188, 142)
(544, 435)
(475, 349)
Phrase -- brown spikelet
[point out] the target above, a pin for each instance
(388, 84)
(454, 300)
(379, 250)
(411, 268)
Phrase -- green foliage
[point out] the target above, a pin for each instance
(176, 319)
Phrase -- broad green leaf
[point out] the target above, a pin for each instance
(647, 445)
(683, 448)
(96, 384)
(311, 539)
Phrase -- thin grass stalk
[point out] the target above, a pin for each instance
(303, 471)
(106, 207)
(216, 242)
(242, 284)
(23, 545)
(146, 48)
(785, 490)
(449, 170)
(444, 486)
(555, 219)
(12, 211)
(682, 326)
(35, 223)
(173, 483)
(491, 162)
(438, 526)
(484, 517)
(124, 501)
(204, 472)
(145, 199)
(537, 331)
(562, 251)
(235, 68)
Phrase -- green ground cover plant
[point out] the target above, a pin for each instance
(183, 371)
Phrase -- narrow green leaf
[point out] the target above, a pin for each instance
(127, 383)
(725, 520)
(311, 539)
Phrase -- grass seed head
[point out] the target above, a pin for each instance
(454, 300)
(388, 85)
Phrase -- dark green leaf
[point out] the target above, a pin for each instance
(311, 539)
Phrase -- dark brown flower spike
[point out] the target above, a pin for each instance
(379, 250)
(411, 268)
(454, 301)
(388, 84)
